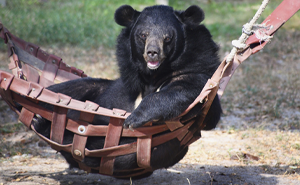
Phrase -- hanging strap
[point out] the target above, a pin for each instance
(221, 77)
(254, 43)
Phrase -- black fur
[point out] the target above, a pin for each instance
(159, 48)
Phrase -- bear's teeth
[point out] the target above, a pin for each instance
(153, 64)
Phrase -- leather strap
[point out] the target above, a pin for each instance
(26, 117)
(49, 72)
(59, 118)
(6, 79)
(112, 139)
(144, 152)
(31, 74)
(276, 19)
(79, 143)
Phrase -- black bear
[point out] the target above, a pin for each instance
(165, 57)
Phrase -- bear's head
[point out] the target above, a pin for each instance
(157, 33)
(160, 42)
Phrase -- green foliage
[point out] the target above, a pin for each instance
(91, 23)
(10, 128)
(77, 22)
(296, 146)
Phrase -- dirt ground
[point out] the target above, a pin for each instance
(256, 142)
(219, 157)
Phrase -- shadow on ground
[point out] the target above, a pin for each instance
(178, 174)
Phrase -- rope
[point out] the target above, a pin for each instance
(247, 31)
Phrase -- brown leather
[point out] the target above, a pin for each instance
(84, 167)
(7, 97)
(5, 80)
(158, 140)
(112, 151)
(54, 145)
(26, 117)
(112, 139)
(32, 106)
(144, 152)
(49, 72)
(59, 118)
(174, 124)
(40, 69)
(31, 74)
(78, 147)
(276, 19)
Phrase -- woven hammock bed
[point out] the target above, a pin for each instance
(34, 69)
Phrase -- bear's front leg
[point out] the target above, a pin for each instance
(136, 119)
(159, 106)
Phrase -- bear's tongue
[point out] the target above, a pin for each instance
(153, 64)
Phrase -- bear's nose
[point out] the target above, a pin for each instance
(152, 54)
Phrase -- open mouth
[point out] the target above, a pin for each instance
(153, 64)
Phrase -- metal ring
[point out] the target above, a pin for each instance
(81, 129)
(77, 152)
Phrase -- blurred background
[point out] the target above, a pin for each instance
(263, 94)
(261, 104)
(90, 24)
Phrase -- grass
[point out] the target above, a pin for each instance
(264, 89)
(77, 22)
(91, 24)
(10, 128)
(10, 146)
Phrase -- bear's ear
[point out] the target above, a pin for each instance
(193, 15)
(125, 15)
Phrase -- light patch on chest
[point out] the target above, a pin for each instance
(139, 98)
(138, 101)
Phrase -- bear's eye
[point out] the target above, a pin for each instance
(143, 36)
(167, 39)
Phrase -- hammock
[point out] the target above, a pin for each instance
(34, 69)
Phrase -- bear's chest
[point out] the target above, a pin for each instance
(148, 90)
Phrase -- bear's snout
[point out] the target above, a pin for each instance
(153, 54)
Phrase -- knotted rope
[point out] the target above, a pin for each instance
(248, 31)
